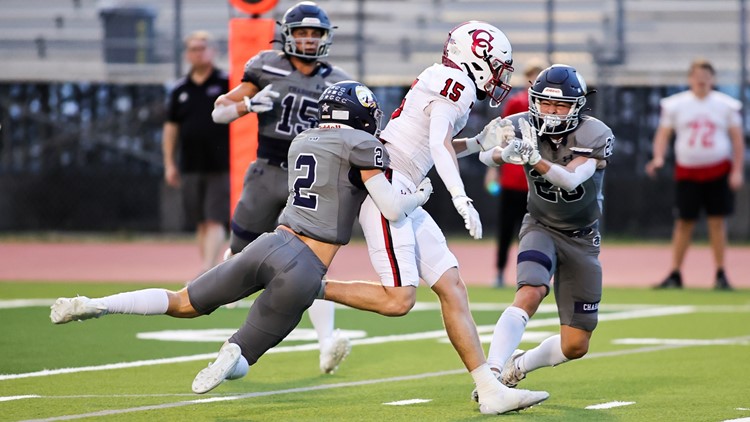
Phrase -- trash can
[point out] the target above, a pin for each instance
(128, 34)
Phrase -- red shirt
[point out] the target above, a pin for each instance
(512, 176)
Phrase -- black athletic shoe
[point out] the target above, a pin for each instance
(674, 281)
(721, 281)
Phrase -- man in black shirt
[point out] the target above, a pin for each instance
(201, 147)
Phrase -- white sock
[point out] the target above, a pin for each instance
(507, 336)
(321, 315)
(548, 353)
(139, 302)
(240, 370)
(485, 380)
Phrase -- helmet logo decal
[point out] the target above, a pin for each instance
(365, 96)
(555, 92)
(481, 39)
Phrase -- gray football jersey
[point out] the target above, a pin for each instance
(325, 185)
(296, 108)
(582, 206)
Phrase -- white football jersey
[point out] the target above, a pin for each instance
(701, 126)
(407, 133)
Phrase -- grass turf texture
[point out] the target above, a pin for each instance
(697, 383)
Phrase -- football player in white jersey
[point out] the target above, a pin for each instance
(564, 154)
(710, 157)
(283, 87)
(476, 64)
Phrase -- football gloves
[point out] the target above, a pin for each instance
(470, 215)
(527, 148)
(262, 101)
(497, 133)
(425, 190)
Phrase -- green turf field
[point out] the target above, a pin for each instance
(673, 355)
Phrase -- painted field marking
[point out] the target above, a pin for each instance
(640, 312)
(682, 341)
(407, 402)
(737, 420)
(250, 395)
(332, 386)
(11, 398)
(609, 405)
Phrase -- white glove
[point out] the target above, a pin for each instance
(470, 215)
(510, 153)
(424, 190)
(527, 148)
(497, 133)
(262, 101)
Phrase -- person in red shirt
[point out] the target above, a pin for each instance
(512, 183)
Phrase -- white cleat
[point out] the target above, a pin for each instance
(511, 400)
(511, 375)
(217, 371)
(333, 350)
(78, 308)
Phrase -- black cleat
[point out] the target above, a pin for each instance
(673, 281)
(721, 281)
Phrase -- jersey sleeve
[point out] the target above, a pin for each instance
(253, 69)
(594, 139)
(171, 105)
(337, 75)
(666, 114)
(367, 153)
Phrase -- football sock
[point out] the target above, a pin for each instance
(139, 302)
(547, 353)
(321, 315)
(507, 335)
(485, 380)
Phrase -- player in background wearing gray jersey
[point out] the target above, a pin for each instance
(333, 168)
(559, 236)
(283, 87)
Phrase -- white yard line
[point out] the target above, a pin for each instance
(638, 311)
(609, 405)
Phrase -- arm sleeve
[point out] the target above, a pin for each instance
(392, 204)
(569, 180)
(442, 116)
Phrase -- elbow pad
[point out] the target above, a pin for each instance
(224, 113)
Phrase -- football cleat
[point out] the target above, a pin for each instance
(511, 400)
(333, 350)
(217, 371)
(78, 308)
(511, 375)
(673, 281)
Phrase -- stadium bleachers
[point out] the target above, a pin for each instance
(64, 39)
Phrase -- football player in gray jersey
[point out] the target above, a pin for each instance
(332, 169)
(283, 87)
(564, 156)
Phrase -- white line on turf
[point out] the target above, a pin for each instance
(609, 405)
(437, 334)
(10, 398)
(407, 402)
(250, 395)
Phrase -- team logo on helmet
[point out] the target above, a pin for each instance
(365, 96)
(481, 39)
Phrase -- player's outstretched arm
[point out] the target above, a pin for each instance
(392, 204)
